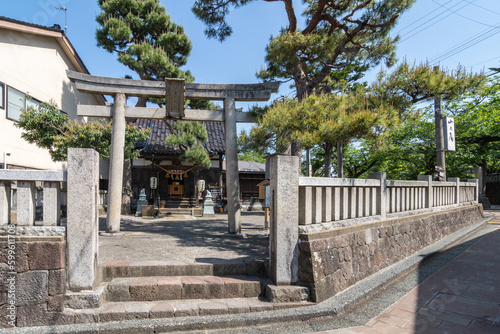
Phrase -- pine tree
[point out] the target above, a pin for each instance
(145, 39)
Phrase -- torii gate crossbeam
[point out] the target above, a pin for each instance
(175, 91)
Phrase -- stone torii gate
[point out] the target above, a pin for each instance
(174, 91)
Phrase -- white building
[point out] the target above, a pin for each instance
(33, 64)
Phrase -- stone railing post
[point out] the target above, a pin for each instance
(457, 188)
(476, 190)
(381, 193)
(284, 232)
(82, 226)
(4, 202)
(26, 203)
(429, 196)
(51, 203)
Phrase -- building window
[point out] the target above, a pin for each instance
(31, 102)
(2, 96)
(16, 102)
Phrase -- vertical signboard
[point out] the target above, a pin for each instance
(449, 133)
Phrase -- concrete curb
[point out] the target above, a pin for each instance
(335, 305)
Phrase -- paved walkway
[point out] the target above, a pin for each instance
(462, 297)
(184, 238)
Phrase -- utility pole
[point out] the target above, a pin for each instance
(438, 121)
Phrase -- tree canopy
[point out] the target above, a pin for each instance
(190, 137)
(411, 149)
(337, 33)
(144, 37)
(371, 114)
(48, 128)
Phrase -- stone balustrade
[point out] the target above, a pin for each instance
(26, 180)
(330, 200)
(307, 207)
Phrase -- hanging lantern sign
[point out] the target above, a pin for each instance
(153, 182)
(449, 133)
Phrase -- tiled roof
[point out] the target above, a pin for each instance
(251, 166)
(55, 28)
(159, 131)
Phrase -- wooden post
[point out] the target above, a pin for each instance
(266, 218)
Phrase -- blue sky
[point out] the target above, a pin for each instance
(466, 30)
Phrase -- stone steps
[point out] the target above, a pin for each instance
(124, 269)
(120, 311)
(166, 289)
(182, 287)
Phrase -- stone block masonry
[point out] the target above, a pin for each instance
(37, 270)
(331, 261)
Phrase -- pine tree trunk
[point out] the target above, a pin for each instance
(296, 150)
(328, 160)
(340, 159)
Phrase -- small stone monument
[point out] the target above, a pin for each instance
(208, 205)
(142, 201)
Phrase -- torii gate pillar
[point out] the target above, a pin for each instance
(175, 90)
(116, 165)
(232, 173)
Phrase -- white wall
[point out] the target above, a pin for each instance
(35, 65)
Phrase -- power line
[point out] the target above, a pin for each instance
(486, 61)
(480, 37)
(421, 18)
(431, 19)
(486, 9)
(465, 17)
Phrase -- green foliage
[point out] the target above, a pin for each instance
(190, 137)
(327, 118)
(248, 150)
(144, 37)
(407, 85)
(410, 150)
(337, 34)
(48, 128)
(213, 13)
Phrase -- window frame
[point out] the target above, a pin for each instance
(7, 104)
(3, 96)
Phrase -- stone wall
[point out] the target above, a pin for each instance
(330, 261)
(33, 280)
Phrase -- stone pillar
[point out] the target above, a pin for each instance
(51, 203)
(457, 188)
(429, 196)
(26, 203)
(232, 173)
(83, 214)
(284, 234)
(116, 165)
(4, 202)
(381, 193)
(480, 176)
